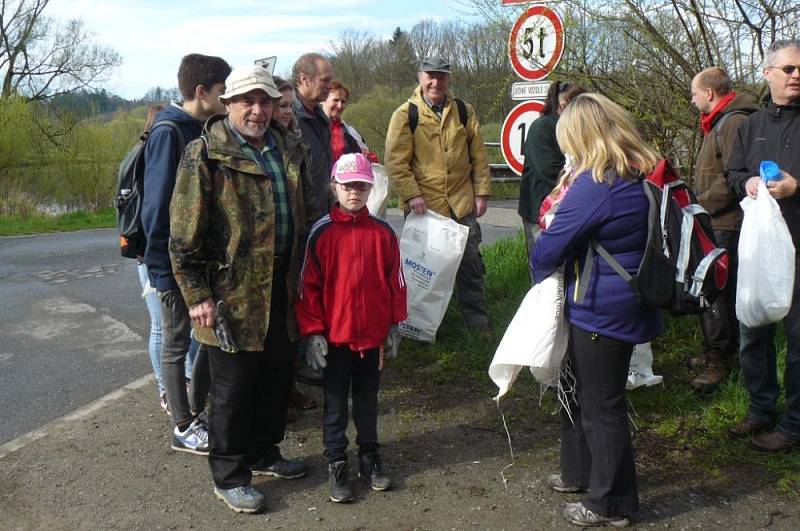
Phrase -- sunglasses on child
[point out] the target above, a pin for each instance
(356, 185)
(787, 69)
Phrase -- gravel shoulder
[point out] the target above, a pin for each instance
(444, 445)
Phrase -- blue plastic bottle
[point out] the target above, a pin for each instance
(769, 171)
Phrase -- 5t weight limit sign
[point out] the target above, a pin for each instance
(536, 43)
(515, 131)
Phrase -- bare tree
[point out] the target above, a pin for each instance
(41, 58)
(644, 53)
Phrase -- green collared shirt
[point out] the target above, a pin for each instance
(270, 160)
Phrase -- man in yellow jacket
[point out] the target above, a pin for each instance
(435, 159)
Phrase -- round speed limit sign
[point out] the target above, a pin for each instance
(515, 131)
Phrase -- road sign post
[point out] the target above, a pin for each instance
(515, 130)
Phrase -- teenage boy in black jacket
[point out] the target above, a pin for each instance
(201, 80)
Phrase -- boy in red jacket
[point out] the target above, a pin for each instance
(352, 295)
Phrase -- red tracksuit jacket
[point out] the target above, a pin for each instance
(351, 286)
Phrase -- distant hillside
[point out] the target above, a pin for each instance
(84, 104)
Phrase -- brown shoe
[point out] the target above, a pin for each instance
(713, 373)
(748, 427)
(774, 441)
(301, 401)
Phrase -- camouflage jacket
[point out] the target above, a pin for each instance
(222, 239)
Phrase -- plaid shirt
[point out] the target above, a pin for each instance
(270, 160)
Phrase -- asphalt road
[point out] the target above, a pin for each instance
(74, 326)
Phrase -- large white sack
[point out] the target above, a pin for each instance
(376, 202)
(766, 262)
(536, 337)
(431, 247)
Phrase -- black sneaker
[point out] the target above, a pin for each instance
(282, 468)
(337, 481)
(370, 469)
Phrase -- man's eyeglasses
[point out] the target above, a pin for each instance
(787, 69)
(357, 185)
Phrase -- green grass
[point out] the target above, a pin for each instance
(17, 225)
(687, 426)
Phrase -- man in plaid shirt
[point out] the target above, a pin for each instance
(238, 216)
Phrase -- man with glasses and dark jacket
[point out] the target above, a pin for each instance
(772, 134)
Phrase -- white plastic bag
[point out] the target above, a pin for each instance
(431, 248)
(376, 202)
(766, 262)
(536, 337)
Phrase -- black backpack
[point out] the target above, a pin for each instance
(682, 269)
(413, 114)
(130, 193)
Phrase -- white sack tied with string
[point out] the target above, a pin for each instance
(536, 337)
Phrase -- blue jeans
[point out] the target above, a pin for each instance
(150, 297)
(758, 360)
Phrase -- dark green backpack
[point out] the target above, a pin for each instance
(130, 193)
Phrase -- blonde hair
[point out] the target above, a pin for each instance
(599, 135)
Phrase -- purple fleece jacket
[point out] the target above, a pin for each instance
(616, 216)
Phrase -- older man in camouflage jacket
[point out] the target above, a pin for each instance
(238, 215)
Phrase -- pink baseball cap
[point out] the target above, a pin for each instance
(353, 167)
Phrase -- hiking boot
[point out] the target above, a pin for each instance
(371, 470)
(193, 440)
(282, 468)
(712, 374)
(578, 514)
(775, 441)
(244, 499)
(337, 481)
(555, 482)
(748, 427)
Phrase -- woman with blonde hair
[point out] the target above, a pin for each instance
(605, 203)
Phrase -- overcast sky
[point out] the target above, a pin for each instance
(152, 36)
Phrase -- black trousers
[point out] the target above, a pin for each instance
(248, 399)
(597, 452)
(347, 369)
(719, 323)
